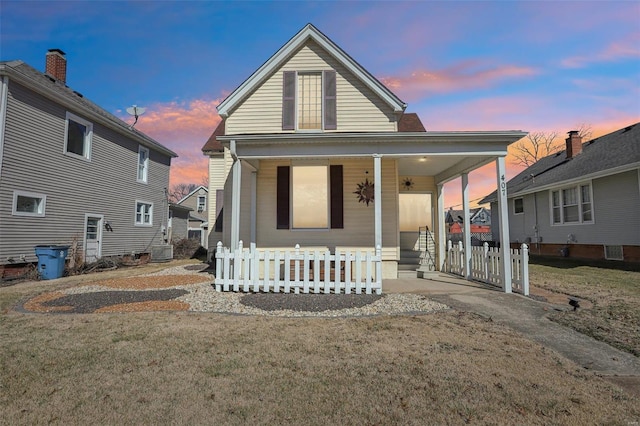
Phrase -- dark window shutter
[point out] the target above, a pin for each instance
(337, 198)
(282, 197)
(330, 119)
(288, 100)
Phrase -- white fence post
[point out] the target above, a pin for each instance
(525, 269)
(219, 270)
(378, 269)
(485, 260)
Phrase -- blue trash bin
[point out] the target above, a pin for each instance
(51, 261)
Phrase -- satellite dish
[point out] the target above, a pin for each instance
(136, 111)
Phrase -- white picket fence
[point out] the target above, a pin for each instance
(298, 270)
(485, 265)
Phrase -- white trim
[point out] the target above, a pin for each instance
(466, 225)
(145, 173)
(514, 206)
(578, 187)
(377, 199)
(88, 137)
(285, 52)
(135, 214)
(42, 197)
(4, 103)
(442, 245)
(99, 236)
(192, 192)
(503, 212)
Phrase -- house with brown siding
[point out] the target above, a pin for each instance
(71, 173)
(317, 152)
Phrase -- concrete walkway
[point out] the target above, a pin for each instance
(528, 317)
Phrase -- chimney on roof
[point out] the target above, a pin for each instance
(574, 144)
(56, 65)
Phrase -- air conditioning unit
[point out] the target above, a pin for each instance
(162, 253)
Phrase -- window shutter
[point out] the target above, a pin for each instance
(282, 197)
(330, 119)
(337, 198)
(288, 100)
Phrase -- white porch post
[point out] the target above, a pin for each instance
(235, 197)
(503, 211)
(466, 225)
(254, 205)
(377, 205)
(441, 230)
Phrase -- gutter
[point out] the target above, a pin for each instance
(4, 93)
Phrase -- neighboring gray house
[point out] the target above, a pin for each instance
(178, 222)
(197, 201)
(71, 171)
(581, 202)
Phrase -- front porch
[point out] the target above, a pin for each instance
(348, 270)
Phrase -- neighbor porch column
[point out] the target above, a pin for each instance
(503, 212)
(377, 196)
(236, 169)
(441, 230)
(466, 226)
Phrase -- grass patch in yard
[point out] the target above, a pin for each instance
(614, 294)
(187, 368)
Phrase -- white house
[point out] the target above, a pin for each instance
(323, 155)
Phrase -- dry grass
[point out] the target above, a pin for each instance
(188, 368)
(151, 306)
(146, 283)
(612, 309)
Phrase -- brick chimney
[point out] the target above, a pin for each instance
(574, 144)
(56, 65)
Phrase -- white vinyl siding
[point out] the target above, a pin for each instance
(358, 108)
(28, 204)
(143, 164)
(78, 136)
(572, 205)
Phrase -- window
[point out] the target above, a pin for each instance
(518, 206)
(310, 197)
(28, 204)
(202, 203)
(78, 136)
(144, 213)
(309, 100)
(312, 194)
(143, 164)
(572, 205)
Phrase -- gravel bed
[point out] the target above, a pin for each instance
(202, 297)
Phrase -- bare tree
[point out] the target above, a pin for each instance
(538, 145)
(535, 146)
(180, 190)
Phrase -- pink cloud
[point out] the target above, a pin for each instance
(616, 51)
(460, 77)
(183, 127)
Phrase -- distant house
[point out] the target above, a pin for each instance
(581, 202)
(314, 150)
(479, 216)
(197, 201)
(480, 225)
(71, 171)
(178, 222)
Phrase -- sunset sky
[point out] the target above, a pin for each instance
(479, 65)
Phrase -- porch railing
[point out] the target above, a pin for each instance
(485, 265)
(298, 270)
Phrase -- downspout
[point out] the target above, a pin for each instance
(4, 92)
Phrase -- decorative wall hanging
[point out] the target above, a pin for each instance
(407, 183)
(365, 192)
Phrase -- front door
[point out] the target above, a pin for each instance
(93, 238)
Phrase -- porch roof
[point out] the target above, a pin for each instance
(456, 151)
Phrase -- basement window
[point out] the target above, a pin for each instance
(613, 253)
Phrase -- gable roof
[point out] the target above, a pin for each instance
(75, 101)
(308, 32)
(213, 144)
(193, 192)
(410, 122)
(609, 154)
(456, 215)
